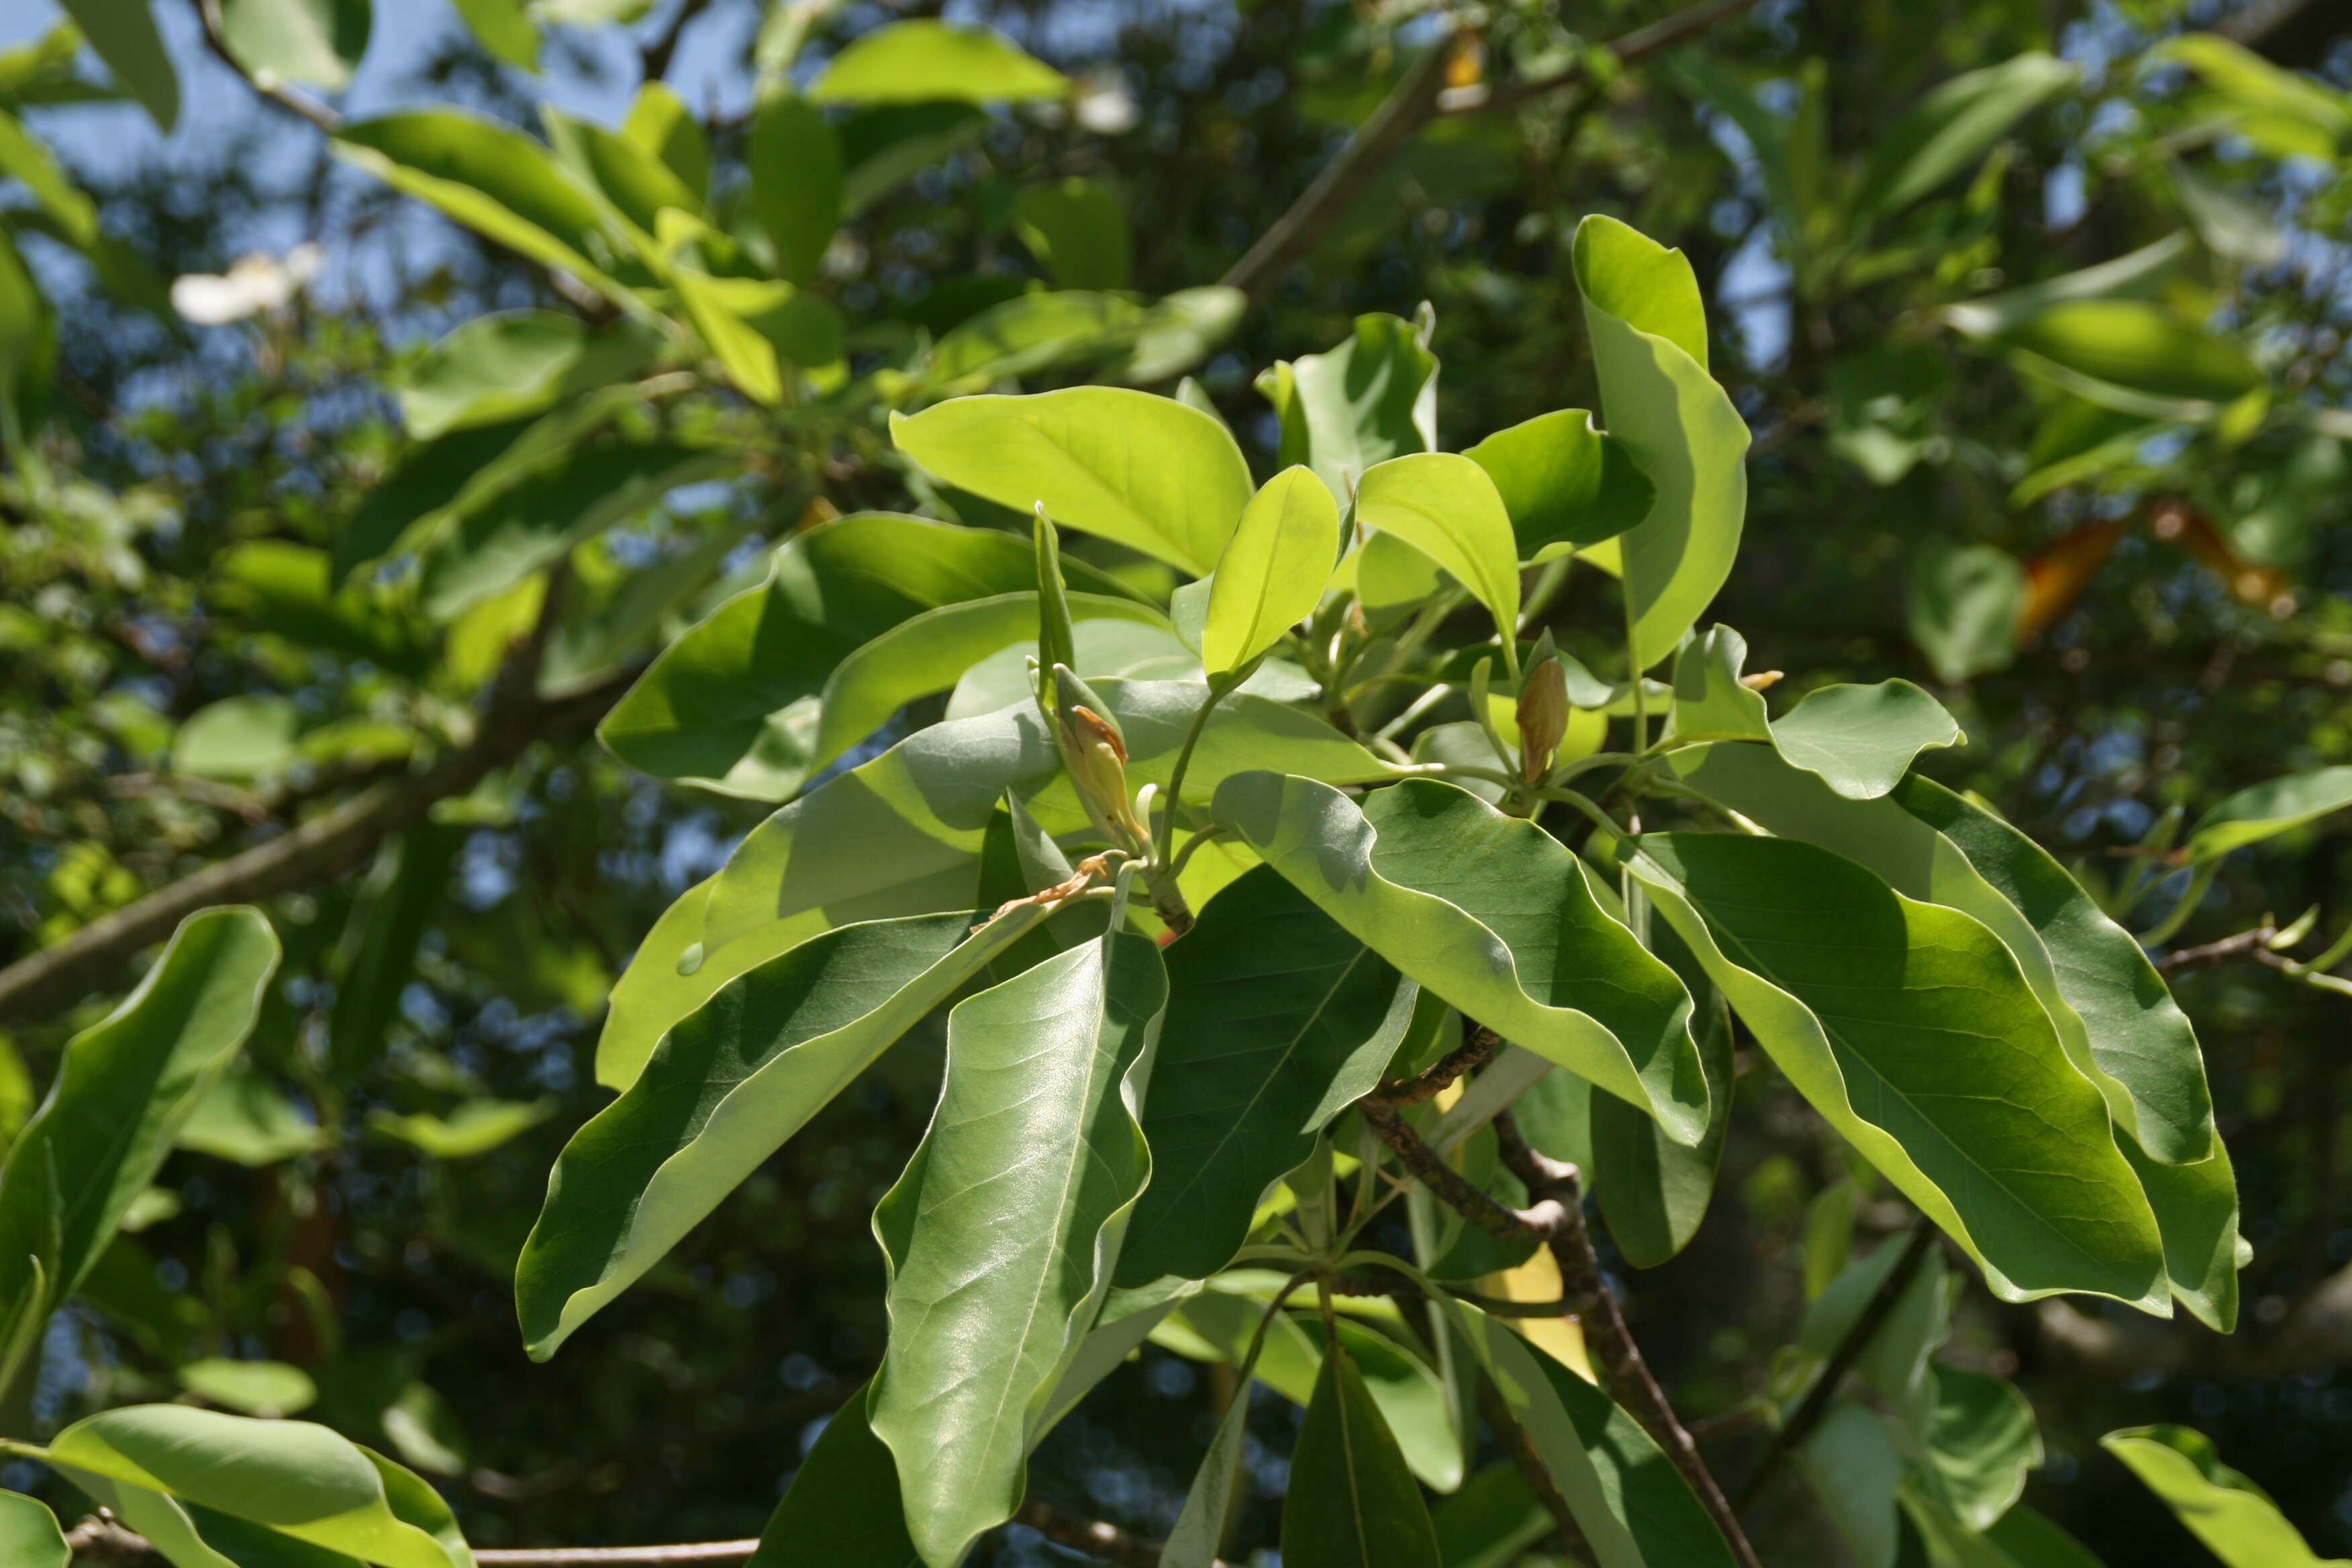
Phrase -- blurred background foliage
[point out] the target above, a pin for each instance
(2051, 417)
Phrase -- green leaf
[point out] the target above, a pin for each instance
(505, 28)
(901, 835)
(318, 42)
(1495, 916)
(122, 33)
(1896, 1364)
(493, 179)
(631, 182)
(2117, 1022)
(1953, 126)
(2234, 1518)
(378, 953)
(28, 159)
(495, 367)
(931, 651)
(1277, 1020)
(1491, 1522)
(1373, 398)
(30, 1536)
(1710, 704)
(925, 60)
(1862, 739)
(2283, 113)
(496, 542)
(248, 1121)
(2146, 273)
(1632, 1504)
(796, 174)
(1352, 1503)
(475, 1126)
(724, 1089)
(270, 1389)
(2142, 348)
(1001, 1236)
(1965, 606)
(1981, 1445)
(886, 144)
(123, 1090)
(2031, 1541)
(1273, 570)
(1855, 1467)
(293, 1477)
(1077, 229)
(842, 1509)
(732, 705)
(1565, 484)
(1444, 506)
(1885, 1014)
(660, 123)
(1031, 332)
(2268, 809)
(1146, 471)
(1649, 347)
(1180, 330)
(238, 737)
(289, 590)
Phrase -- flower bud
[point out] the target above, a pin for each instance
(1543, 718)
(1094, 754)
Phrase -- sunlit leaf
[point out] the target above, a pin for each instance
(2268, 809)
(1565, 484)
(1271, 571)
(922, 60)
(2234, 1518)
(1344, 412)
(315, 41)
(1444, 506)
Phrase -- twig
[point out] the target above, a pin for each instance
(291, 100)
(326, 846)
(244, 803)
(1477, 1050)
(1630, 1379)
(1873, 1316)
(1105, 1541)
(2254, 944)
(656, 55)
(1536, 1222)
(1408, 107)
(1641, 42)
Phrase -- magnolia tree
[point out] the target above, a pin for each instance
(1359, 906)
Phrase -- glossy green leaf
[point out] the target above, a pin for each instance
(842, 1509)
(1001, 1236)
(292, 1477)
(1886, 1012)
(795, 158)
(269, 1389)
(30, 1536)
(1352, 1503)
(493, 179)
(1565, 484)
(631, 181)
(925, 60)
(1277, 1020)
(1495, 916)
(1649, 346)
(2142, 348)
(1444, 506)
(1710, 704)
(534, 521)
(1146, 471)
(317, 42)
(660, 123)
(1953, 126)
(1346, 412)
(474, 1128)
(2268, 809)
(1630, 1501)
(123, 1090)
(377, 957)
(2234, 1518)
(931, 651)
(500, 366)
(1981, 1445)
(123, 34)
(1077, 229)
(725, 1089)
(248, 1121)
(1964, 607)
(1862, 739)
(1272, 573)
(732, 705)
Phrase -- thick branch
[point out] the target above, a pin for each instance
(1536, 1223)
(335, 841)
(1549, 1181)
(1477, 1050)
(1865, 1327)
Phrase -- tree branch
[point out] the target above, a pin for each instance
(2254, 944)
(328, 845)
(1874, 1315)
(1628, 1372)
(1538, 1223)
(657, 53)
(1478, 1046)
